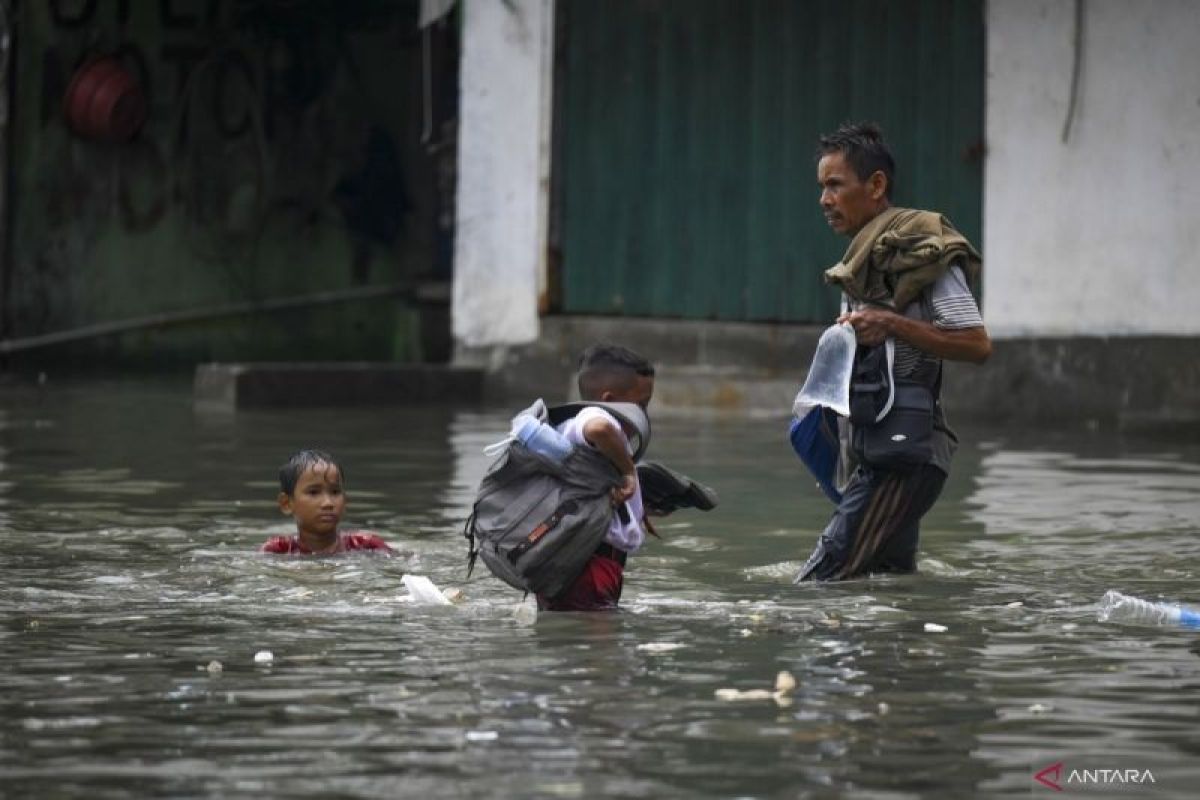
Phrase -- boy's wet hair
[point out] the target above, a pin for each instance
(300, 462)
(607, 366)
(863, 147)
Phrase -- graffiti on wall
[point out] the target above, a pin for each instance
(260, 124)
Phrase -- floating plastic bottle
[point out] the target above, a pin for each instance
(1117, 607)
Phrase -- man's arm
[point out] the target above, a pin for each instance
(873, 325)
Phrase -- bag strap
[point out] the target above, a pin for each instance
(631, 414)
(889, 346)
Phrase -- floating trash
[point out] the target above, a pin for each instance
(214, 667)
(526, 611)
(1117, 607)
(933, 627)
(264, 657)
(659, 647)
(744, 694)
(785, 684)
(423, 591)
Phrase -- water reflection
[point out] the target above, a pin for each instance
(1052, 492)
(128, 570)
(469, 433)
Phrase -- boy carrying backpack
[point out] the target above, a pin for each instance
(561, 518)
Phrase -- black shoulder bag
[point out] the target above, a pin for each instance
(899, 437)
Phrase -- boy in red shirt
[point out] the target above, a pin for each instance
(311, 492)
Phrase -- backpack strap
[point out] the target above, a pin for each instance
(631, 414)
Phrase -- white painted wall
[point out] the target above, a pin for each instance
(1100, 235)
(503, 170)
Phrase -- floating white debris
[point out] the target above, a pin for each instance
(1014, 604)
(214, 667)
(482, 736)
(423, 591)
(744, 694)
(264, 657)
(785, 684)
(933, 627)
(659, 647)
(1038, 708)
(884, 708)
(525, 612)
(454, 595)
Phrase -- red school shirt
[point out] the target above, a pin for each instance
(359, 540)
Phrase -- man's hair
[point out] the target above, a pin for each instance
(863, 147)
(300, 462)
(607, 366)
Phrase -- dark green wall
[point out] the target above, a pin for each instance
(686, 180)
(281, 157)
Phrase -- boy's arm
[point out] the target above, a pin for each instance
(608, 439)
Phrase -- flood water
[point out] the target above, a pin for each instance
(129, 524)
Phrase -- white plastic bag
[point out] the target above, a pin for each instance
(828, 380)
(423, 591)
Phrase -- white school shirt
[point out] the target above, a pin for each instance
(621, 535)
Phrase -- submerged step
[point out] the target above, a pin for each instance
(284, 385)
(725, 389)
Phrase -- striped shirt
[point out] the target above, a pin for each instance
(948, 305)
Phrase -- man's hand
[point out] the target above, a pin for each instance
(871, 325)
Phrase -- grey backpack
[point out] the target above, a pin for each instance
(537, 519)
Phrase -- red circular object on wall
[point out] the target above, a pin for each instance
(104, 101)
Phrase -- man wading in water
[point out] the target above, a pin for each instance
(904, 276)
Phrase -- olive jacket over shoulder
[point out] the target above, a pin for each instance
(898, 254)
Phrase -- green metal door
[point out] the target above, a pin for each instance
(684, 176)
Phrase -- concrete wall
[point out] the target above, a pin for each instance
(1097, 235)
(503, 175)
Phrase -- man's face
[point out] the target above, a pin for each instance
(318, 501)
(847, 202)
